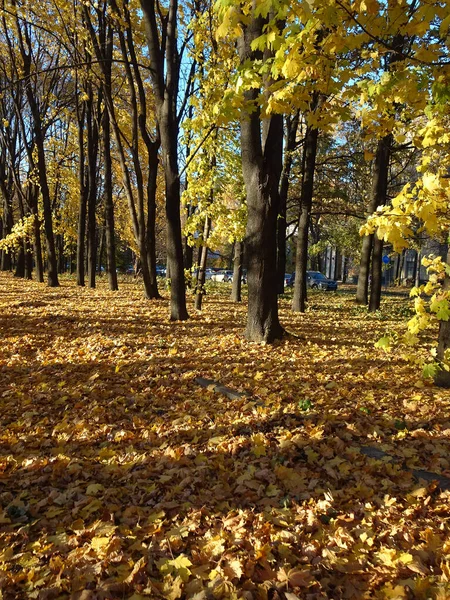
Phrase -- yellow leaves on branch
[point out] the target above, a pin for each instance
(22, 230)
(427, 202)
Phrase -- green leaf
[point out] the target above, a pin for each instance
(384, 343)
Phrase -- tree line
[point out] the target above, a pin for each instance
(236, 122)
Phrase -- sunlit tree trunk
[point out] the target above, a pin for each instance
(200, 291)
(301, 259)
(165, 74)
(237, 272)
(442, 377)
(261, 148)
(290, 145)
(379, 198)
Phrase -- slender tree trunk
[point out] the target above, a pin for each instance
(200, 291)
(165, 74)
(92, 153)
(37, 241)
(442, 377)
(82, 210)
(292, 124)
(345, 269)
(417, 273)
(237, 273)
(377, 264)
(109, 205)
(153, 161)
(28, 259)
(301, 259)
(378, 198)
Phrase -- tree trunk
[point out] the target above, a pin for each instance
(375, 286)
(379, 192)
(301, 259)
(200, 291)
(290, 144)
(165, 74)
(442, 377)
(28, 259)
(92, 153)
(417, 273)
(20, 262)
(37, 241)
(362, 290)
(378, 198)
(109, 205)
(237, 273)
(345, 269)
(82, 209)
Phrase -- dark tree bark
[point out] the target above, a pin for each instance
(109, 205)
(20, 262)
(92, 155)
(143, 229)
(82, 209)
(28, 259)
(261, 165)
(301, 259)
(377, 198)
(290, 145)
(7, 224)
(237, 272)
(201, 276)
(26, 54)
(379, 194)
(32, 194)
(165, 74)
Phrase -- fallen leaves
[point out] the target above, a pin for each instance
(121, 477)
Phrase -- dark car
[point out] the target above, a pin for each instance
(317, 280)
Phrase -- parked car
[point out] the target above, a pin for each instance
(161, 271)
(243, 276)
(208, 274)
(287, 279)
(222, 276)
(316, 280)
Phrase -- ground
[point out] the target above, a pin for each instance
(121, 477)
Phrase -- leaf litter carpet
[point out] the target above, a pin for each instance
(121, 477)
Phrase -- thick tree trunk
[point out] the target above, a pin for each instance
(262, 166)
(20, 263)
(237, 272)
(301, 259)
(178, 311)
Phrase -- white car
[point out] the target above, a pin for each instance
(222, 276)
